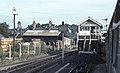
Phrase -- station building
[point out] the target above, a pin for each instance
(49, 37)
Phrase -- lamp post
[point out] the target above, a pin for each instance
(13, 12)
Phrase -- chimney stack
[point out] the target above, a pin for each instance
(34, 25)
(49, 26)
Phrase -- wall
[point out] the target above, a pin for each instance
(4, 42)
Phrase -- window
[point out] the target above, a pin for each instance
(80, 28)
(97, 27)
(86, 28)
(83, 28)
(92, 29)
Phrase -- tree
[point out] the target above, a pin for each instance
(19, 25)
(38, 25)
(4, 29)
(30, 27)
(19, 28)
(74, 28)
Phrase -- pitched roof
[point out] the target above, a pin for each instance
(89, 20)
(41, 33)
(116, 15)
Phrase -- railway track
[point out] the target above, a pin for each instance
(81, 69)
(34, 66)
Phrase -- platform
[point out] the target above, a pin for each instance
(100, 68)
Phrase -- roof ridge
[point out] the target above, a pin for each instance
(90, 19)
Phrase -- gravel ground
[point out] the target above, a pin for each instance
(18, 62)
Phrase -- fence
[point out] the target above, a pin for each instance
(26, 50)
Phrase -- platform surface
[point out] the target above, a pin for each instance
(100, 68)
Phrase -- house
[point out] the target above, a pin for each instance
(88, 35)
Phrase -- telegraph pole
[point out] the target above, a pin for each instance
(63, 41)
(63, 30)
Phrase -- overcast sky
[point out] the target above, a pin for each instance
(41, 11)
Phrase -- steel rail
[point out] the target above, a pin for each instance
(39, 62)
